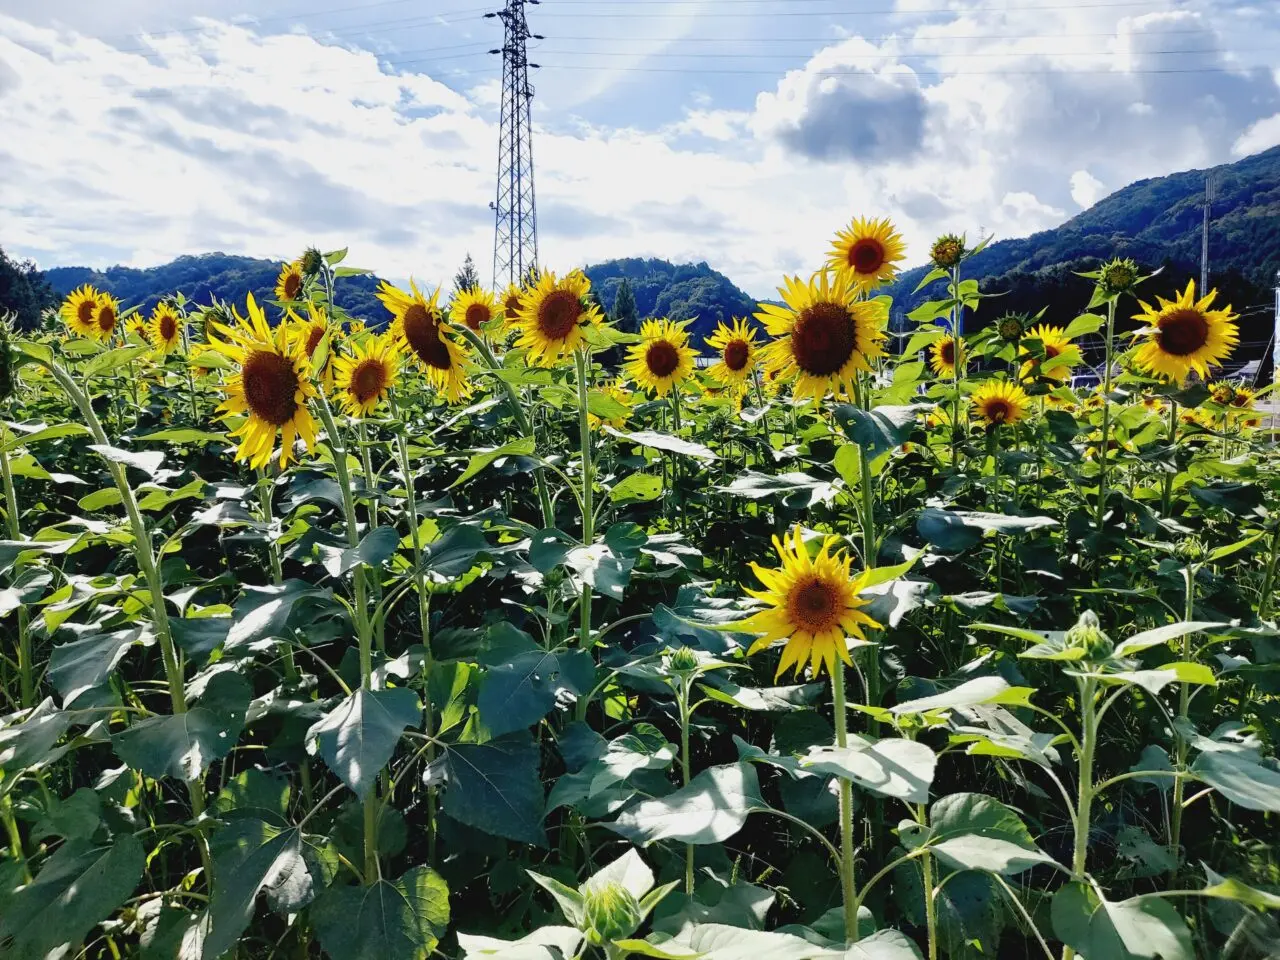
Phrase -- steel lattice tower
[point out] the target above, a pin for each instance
(515, 234)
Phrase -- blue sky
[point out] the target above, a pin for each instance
(740, 132)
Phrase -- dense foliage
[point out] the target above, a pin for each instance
(327, 642)
(24, 292)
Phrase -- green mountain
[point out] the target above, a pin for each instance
(1158, 223)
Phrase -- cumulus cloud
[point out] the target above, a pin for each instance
(1086, 189)
(1260, 136)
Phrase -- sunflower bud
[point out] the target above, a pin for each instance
(1118, 276)
(683, 660)
(1087, 635)
(312, 261)
(6, 362)
(947, 251)
(1189, 550)
(611, 913)
(1011, 327)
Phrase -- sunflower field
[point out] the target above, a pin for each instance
(489, 631)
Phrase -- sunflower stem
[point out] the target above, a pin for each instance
(1184, 707)
(366, 463)
(265, 491)
(685, 681)
(675, 465)
(582, 360)
(1105, 447)
(26, 668)
(850, 896)
(1166, 493)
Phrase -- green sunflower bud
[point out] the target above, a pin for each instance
(1012, 326)
(1088, 635)
(1118, 276)
(312, 261)
(612, 913)
(683, 660)
(1190, 550)
(947, 251)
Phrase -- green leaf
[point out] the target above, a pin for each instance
(1221, 553)
(606, 407)
(112, 360)
(185, 436)
(373, 550)
(1083, 325)
(358, 736)
(931, 310)
(879, 430)
(1237, 499)
(1162, 635)
(1229, 888)
(77, 888)
(263, 612)
(606, 571)
(183, 745)
(335, 257)
(1141, 927)
(454, 552)
(341, 272)
(1240, 779)
(636, 488)
(797, 490)
(922, 339)
(665, 442)
(893, 767)
(715, 941)
(44, 433)
(971, 831)
(957, 530)
(199, 636)
(799, 697)
(971, 693)
(712, 808)
(147, 461)
(401, 920)
(571, 902)
(1153, 681)
(30, 742)
(482, 459)
(495, 787)
(252, 857)
(82, 664)
(545, 943)
(520, 692)
(937, 273)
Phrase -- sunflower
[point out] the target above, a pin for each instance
(663, 358)
(1095, 401)
(364, 377)
(614, 391)
(272, 386)
(512, 303)
(1060, 354)
(868, 252)
(310, 333)
(825, 336)
(78, 311)
(164, 329)
(473, 308)
(289, 283)
(813, 606)
(1153, 404)
(738, 350)
(421, 328)
(553, 315)
(945, 353)
(1000, 402)
(106, 317)
(1184, 334)
(1243, 398)
(138, 325)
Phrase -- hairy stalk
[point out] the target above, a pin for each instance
(366, 465)
(850, 896)
(1184, 706)
(26, 666)
(930, 908)
(1269, 580)
(1166, 492)
(582, 360)
(1106, 418)
(1084, 802)
(684, 772)
(265, 493)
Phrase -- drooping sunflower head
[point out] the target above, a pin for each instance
(1012, 326)
(79, 310)
(663, 358)
(1185, 335)
(946, 354)
(422, 331)
(473, 308)
(553, 316)
(106, 317)
(270, 388)
(1060, 354)
(312, 261)
(813, 605)
(1001, 403)
(512, 303)
(289, 283)
(1117, 276)
(868, 252)
(164, 329)
(824, 334)
(738, 352)
(947, 251)
(364, 377)
(310, 334)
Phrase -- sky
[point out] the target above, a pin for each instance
(743, 133)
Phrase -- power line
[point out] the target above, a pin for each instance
(699, 14)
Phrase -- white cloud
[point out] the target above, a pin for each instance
(1260, 136)
(1086, 189)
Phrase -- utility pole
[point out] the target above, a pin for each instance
(1204, 237)
(515, 234)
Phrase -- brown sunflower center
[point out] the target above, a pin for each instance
(1183, 332)
(812, 605)
(997, 411)
(168, 327)
(662, 358)
(292, 284)
(867, 255)
(823, 339)
(1051, 351)
(314, 336)
(477, 314)
(106, 318)
(84, 312)
(736, 355)
(368, 380)
(558, 314)
(511, 306)
(270, 387)
(947, 352)
(422, 332)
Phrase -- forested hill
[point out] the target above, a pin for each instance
(682, 292)
(199, 278)
(1157, 222)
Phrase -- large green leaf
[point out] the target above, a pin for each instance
(712, 808)
(971, 693)
(252, 856)
(1141, 927)
(482, 459)
(495, 787)
(606, 570)
(520, 692)
(798, 697)
(358, 736)
(263, 612)
(971, 831)
(665, 442)
(454, 552)
(400, 920)
(183, 745)
(636, 488)
(78, 887)
(1162, 635)
(30, 741)
(879, 430)
(82, 664)
(797, 490)
(545, 943)
(374, 549)
(893, 767)
(1240, 778)
(146, 461)
(956, 530)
